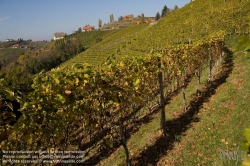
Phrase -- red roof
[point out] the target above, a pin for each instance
(128, 16)
(86, 28)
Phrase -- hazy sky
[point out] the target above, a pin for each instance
(40, 19)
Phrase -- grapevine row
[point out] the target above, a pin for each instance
(98, 99)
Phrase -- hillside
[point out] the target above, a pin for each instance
(10, 51)
(190, 24)
(89, 38)
(207, 132)
(20, 65)
(174, 93)
(194, 22)
(112, 44)
(9, 54)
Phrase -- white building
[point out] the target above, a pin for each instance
(59, 35)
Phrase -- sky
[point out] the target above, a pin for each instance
(40, 19)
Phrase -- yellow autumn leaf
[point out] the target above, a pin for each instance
(121, 64)
(116, 104)
(178, 72)
(46, 90)
(77, 81)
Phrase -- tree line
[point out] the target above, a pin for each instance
(165, 11)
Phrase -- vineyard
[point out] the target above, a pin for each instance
(192, 27)
(216, 15)
(96, 101)
(111, 45)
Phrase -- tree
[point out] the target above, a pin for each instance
(165, 11)
(157, 16)
(120, 18)
(79, 30)
(20, 40)
(176, 7)
(142, 18)
(99, 23)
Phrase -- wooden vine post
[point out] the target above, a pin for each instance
(124, 143)
(210, 65)
(163, 117)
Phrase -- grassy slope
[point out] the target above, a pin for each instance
(150, 130)
(216, 124)
(37, 44)
(11, 51)
(221, 122)
(88, 39)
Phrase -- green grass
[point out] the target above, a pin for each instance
(221, 122)
(11, 51)
(88, 38)
(149, 132)
(218, 125)
(37, 44)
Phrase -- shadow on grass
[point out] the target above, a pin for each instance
(177, 126)
(133, 128)
(130, 130)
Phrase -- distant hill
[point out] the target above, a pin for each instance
(23, 60)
